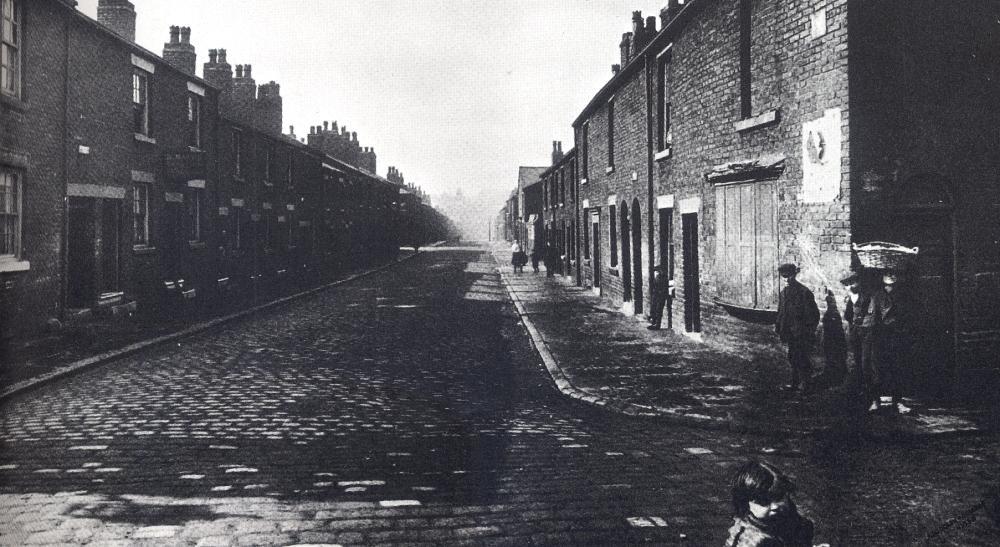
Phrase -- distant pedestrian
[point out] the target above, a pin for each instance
(834, 342)
(764, 513)
(551, 260)
(517, 257)
(796, 324)
(661, 292)
(536, 257)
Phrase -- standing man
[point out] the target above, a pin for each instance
(796, 324)
(661, 291)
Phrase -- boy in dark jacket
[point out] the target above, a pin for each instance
(796, 324)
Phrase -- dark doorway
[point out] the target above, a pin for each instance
(626, 254)
(108, 245)
(637, 255)
(595, 225)
(692, 292)
(81, 256)
(666, 249)
(930, 284)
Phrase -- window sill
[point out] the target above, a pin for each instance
(610, 169)
(196, 244)
(11, 266)
(761, 120)
(143, 249)
(663, 154)
(13, 102)
(144, 138)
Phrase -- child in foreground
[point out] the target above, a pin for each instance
(765, 515)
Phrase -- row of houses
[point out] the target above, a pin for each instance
(128, 181)
(736, 135)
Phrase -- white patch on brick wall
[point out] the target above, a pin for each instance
(821, 158)
(665, 202)
(817, 22)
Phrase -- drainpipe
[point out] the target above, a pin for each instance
(650, 68)
(64, 251)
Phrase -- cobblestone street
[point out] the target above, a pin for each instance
(410, 407)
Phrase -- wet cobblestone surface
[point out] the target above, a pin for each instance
(409, 407)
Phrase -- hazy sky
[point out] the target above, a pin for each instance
(456, 94)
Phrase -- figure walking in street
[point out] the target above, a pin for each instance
(888, 344)
(796, 324)
(517, 257)
(551, 260)
(764, 513)
(536, 257)
(661, 292)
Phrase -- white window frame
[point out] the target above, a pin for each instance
(143, 205)
(10, 17)
(194, 215)
(140, 99)
(13, 178)
(237, 153)
(194, 120)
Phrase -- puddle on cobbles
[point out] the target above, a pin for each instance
(121, 510)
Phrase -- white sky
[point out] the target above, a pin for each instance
(456, 94)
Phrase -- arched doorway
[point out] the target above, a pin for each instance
(637, 254)
(626, 254)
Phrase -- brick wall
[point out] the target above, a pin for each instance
(31, 141)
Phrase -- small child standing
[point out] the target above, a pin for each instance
(765, 515)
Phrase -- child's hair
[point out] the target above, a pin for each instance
(758, 482)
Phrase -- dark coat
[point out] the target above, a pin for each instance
(798, 314)
(795, 531)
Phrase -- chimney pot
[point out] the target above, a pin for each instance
(239, 71)
(651, 25)
(616, 68)
(246, 71)
(354, 136)
(174, 33)
(185, 35)
(213, 56)
(222, 56)
(326, 126)
(291, 130)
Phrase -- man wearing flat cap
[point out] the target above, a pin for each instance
(796, 324)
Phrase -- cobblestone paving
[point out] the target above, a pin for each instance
(408, 407)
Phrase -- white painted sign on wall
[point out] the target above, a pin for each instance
(821, 158)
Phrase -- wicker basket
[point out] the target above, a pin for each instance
(883, 255)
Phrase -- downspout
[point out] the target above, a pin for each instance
(651, 212)
(64, 236)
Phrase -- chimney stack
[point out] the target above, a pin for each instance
(218, 73)
(626, 45)
(669, 12)
(326, 126)
(179, 52)
(119, 16)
